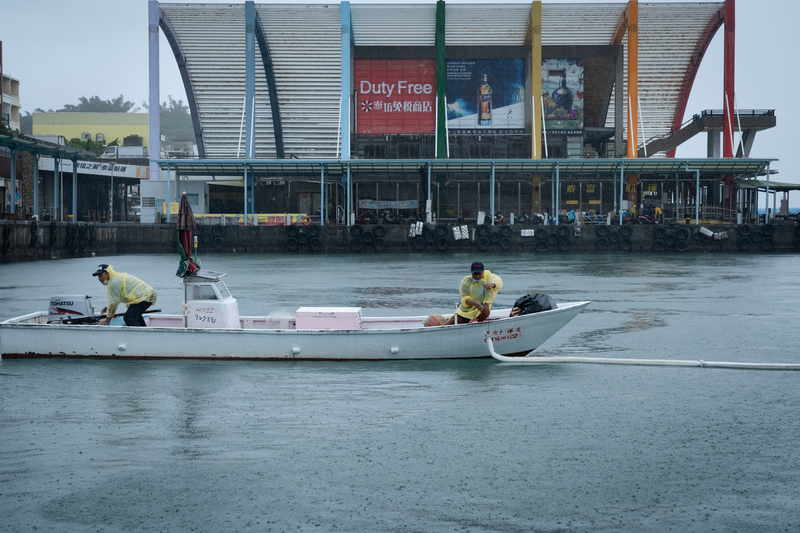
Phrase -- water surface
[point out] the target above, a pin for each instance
(468, 445)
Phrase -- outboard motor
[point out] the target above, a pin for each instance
(73, 309)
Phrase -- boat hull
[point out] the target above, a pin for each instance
(19, 338)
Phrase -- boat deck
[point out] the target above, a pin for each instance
(261, 322)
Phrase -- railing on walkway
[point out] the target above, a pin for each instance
(707, 212)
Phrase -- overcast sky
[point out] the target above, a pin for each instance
(62, 50)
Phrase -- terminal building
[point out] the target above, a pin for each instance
(449, 110)
(539, 107)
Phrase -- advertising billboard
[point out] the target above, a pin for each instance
(486, 94)
(395, 96)
(562, 94)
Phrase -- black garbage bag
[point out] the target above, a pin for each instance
(533, 303)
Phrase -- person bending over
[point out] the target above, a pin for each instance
(477, 291)
(137, 295)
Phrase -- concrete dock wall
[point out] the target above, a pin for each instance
(31, 241)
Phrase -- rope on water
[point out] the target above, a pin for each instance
(641, 362)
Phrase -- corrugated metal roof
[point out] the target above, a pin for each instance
(305, 45)
(393, 25)
(668, 36)
(486, 24)
(580, 24)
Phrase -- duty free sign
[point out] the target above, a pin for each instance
(395, 96)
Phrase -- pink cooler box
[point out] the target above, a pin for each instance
(332, 318)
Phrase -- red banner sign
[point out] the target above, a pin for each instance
(395, 96)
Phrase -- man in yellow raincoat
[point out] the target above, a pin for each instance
(477, 291)
(124, 288)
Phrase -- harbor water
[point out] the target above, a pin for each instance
(455, 445)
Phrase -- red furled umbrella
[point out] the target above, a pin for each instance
(186, 227)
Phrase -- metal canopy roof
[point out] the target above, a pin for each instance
(207, 167)
(773, 185)
(27, 144)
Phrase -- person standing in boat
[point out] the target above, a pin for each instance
(137, 295)
(477, 291)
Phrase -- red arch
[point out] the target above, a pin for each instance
(691, 72)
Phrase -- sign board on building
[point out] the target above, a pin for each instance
(486, 94)
(387, 204)
(591, 193)
(562, 94)
(395, 96)
(97, 169)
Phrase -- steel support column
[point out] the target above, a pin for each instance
(55, 189)
(246, 195)
(441, 82)
(429, 186)
(558, 192)
(621, 189)
(728, 79)
(535, 35)
(36, 184)
(347, 41)
(766, 199)
(154, 16)
(169, 178)
(633, 97)
(322, 202)
(74, 190)
(633, 76)
(491, 195)
(350, 212)
(13, 180)
(250, 100)
(728, 100)
(696, 193)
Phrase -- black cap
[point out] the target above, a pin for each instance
(477, 267)
(100, 270)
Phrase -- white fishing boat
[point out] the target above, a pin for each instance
(210, 328)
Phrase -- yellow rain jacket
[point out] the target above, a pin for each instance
(477, 292)
(126, 289)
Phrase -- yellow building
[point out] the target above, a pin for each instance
(108, 126)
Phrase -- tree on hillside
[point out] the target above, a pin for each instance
(176, 122)
(96, 105)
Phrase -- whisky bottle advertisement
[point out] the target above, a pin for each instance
(485, 95)
(484, 103)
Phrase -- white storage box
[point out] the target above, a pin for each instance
(332, 318)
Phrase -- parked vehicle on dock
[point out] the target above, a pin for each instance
(537, 219)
